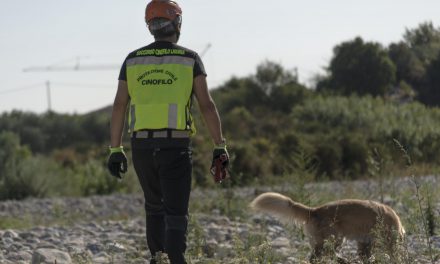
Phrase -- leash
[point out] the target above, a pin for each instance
(218, 170)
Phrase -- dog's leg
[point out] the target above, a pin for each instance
(318, 249)
(327, 247)
(318, 252)
(393, 252)
(342, 261)
(364, 251)
(336, 247)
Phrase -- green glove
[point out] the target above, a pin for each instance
(117, 162)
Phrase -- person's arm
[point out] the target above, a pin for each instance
(208, 109)
(118, 114)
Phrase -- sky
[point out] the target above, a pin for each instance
(234, 36)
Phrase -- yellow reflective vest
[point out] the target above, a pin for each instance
(160, 87)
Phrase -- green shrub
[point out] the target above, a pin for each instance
(374, 122)
(329, 159)
(430, 147)
(94, 179)
(239, 122)
(248, 164)
(17, 180)
(354, 155)
(26, 180)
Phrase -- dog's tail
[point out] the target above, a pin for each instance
(282, 207)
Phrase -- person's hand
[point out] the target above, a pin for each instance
(117, 162)
(220, 162)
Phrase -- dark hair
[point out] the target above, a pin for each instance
(162, 27)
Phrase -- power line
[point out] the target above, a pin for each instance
(40, 85)
(49, 86)
(77, 66)
(85, 85)
(22, 88)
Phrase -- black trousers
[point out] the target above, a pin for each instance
(165, 177)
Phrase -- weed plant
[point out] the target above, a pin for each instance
(415, 204)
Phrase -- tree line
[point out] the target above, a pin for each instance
(370, 98)
(408, 69)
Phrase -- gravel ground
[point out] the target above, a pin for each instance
(111, 229)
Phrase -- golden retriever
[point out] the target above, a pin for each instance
(351, 219)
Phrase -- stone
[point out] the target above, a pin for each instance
(116, 247)
(210, 248)
(101, 257)
(95, 248)
(10, 234)
(280, 242)
(10, 262)
(50, 256)
(20, 256)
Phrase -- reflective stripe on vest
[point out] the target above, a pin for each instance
(160, 90)
(161, 60)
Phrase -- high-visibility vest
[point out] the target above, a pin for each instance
(160, 89)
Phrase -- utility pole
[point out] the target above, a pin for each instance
(49, 101)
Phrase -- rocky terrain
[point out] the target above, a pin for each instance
(111, 229)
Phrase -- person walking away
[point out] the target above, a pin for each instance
(156, 86)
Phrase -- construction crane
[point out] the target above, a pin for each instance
(60, 66)
(76, 67)
(207, 47)
(86, 67)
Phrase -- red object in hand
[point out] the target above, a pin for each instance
(218, 170)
